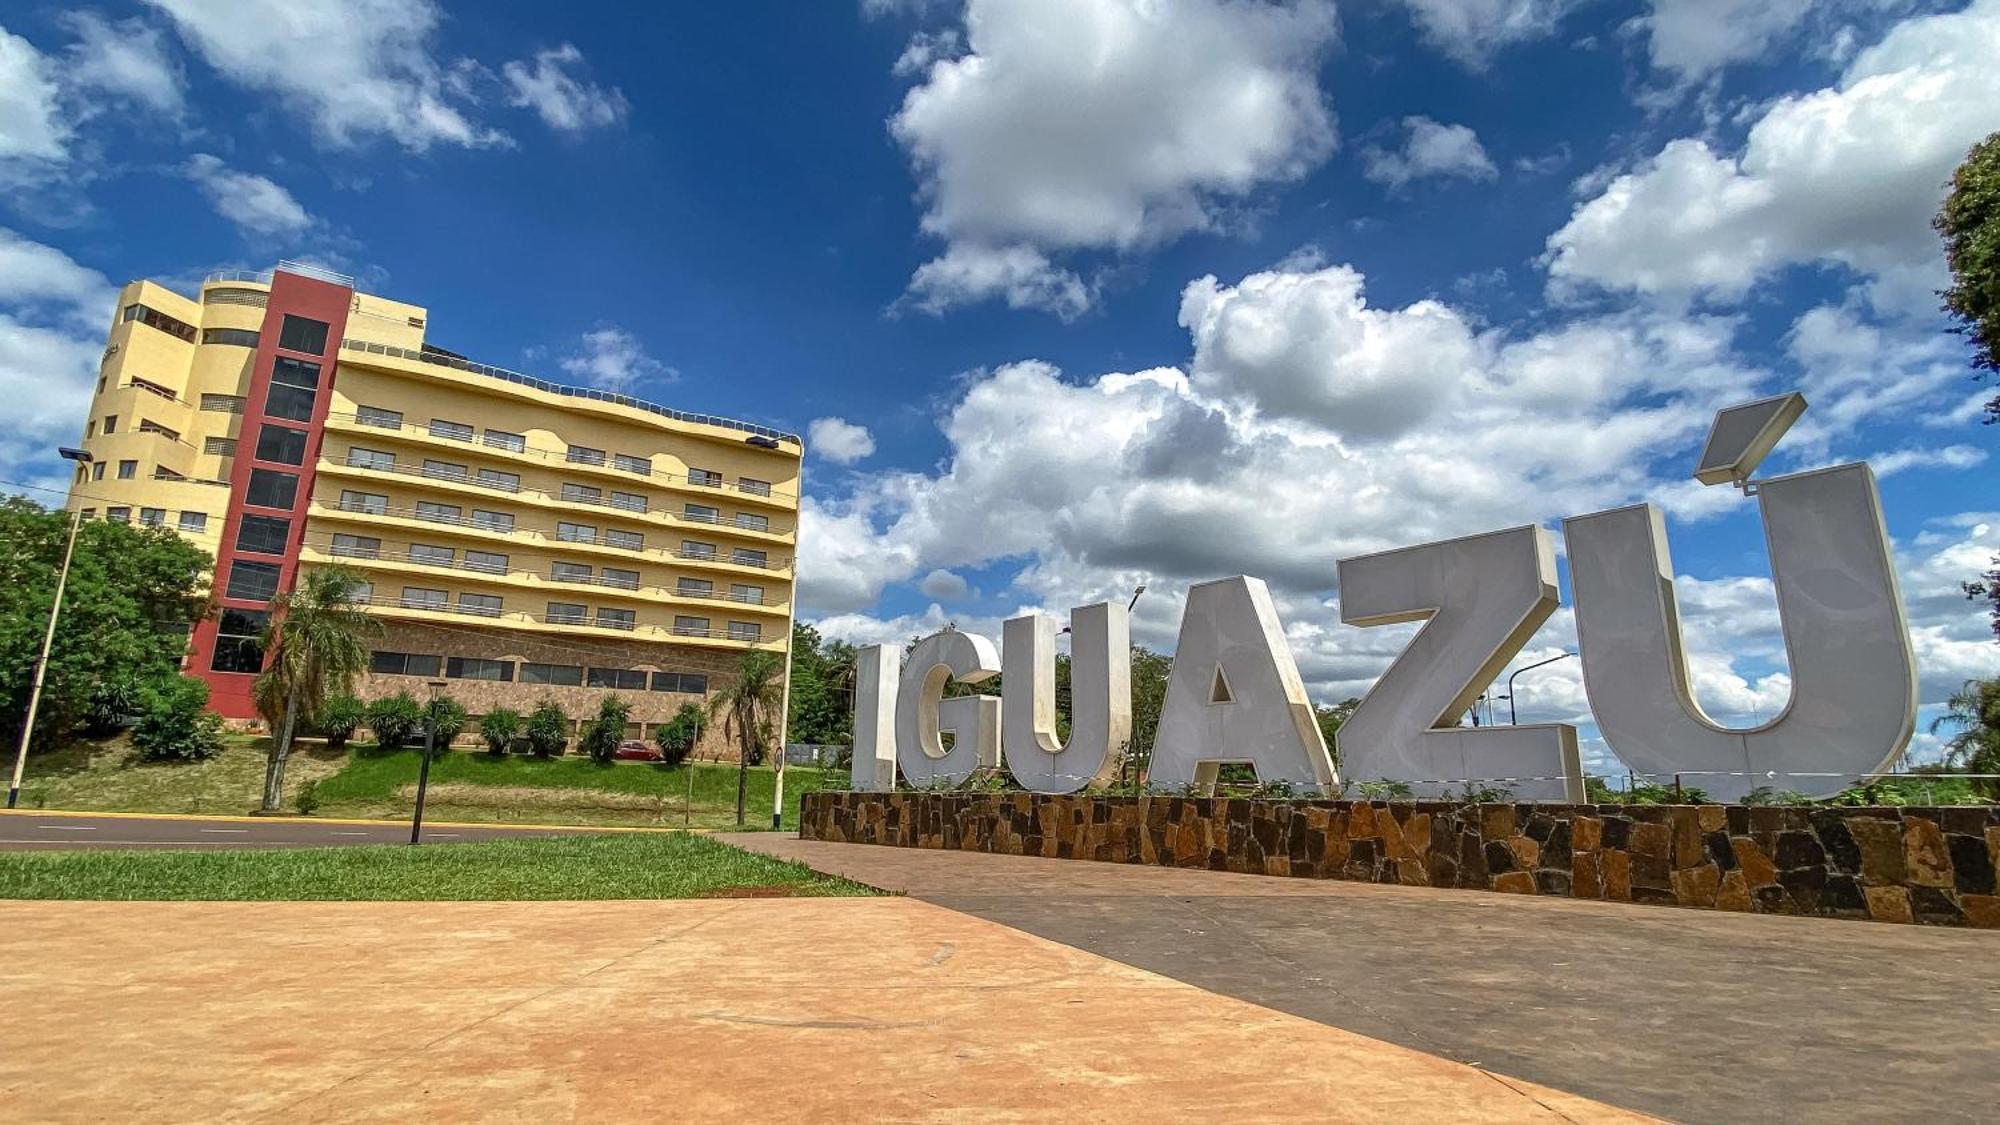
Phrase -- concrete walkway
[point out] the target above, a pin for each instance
(885, 1009)
(1695, 1015)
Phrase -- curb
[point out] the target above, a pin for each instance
(224, 819)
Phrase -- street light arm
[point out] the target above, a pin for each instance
(1511, 713)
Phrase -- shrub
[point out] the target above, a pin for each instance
(602, 734)
(175, 724)
(447, 719)
(397, 720)
(500, 728)
(547, 729)
(307, 801)
(111, 704)
(677, 736)
(338, 719)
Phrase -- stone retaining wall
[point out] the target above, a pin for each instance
(1927, 865)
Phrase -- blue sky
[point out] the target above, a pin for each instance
(1074, 294)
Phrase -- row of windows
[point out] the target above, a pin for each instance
(153, 318)
(530, 672)
(298, 333)
(383, 461)
(492, 605)
(234, 337)
(348, 545)
(192, 522)
(377, 504)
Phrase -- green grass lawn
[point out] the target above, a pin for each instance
(109, 777)
(634, 866)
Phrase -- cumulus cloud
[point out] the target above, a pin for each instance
(256, 204)
(564, 102)
(943, 585)
(1429, 149)
(1472, 31)
(1849, 174)
(839, 440)
(32, 129)
(1696, 38)
(613, 358)
(124, 59)
(53, 315)
(1077, 125)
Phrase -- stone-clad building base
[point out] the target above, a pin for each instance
(1924, 865)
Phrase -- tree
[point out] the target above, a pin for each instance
(1969, 220)
(602, 734)
(822, 689)
(338, 718)
(500, 728)
(1330, 720)
(676, 737)
(314, 646)
(396, 720)
(446, 719)
(175, 724)
(547, 729)
(1987, 589)
(744, 706)
(133, 594)
(1150, 671)
(1975, 710)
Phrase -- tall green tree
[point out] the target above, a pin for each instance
(1975, 710)
(1330, 719)
(134, 593)
(822, 689)
(746, 706)
(1969, 221)
(315, 645)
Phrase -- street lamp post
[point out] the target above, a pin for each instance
(1509, 697)
(424, 769)
(81, 457)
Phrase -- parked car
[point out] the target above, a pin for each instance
(633, 750)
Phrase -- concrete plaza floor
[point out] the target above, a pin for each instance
(1688, 1014)
(864, 1009)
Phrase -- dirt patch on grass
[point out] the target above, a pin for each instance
(474, 796)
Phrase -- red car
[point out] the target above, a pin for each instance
(633, 750)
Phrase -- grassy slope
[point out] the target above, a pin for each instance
(645, 866)
(108, 777)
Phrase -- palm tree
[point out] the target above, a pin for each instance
(314, 646)
(1975, 710)
(756, 692)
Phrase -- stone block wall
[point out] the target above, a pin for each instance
(1925, 865)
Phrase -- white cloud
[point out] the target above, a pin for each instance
(1695, 38)
(31, 125)
(839, 440)
(943, 585)
(925, 48)
(358, 69)
(611, 357)
(127, 59)
(257, 205)
(1849, 174)
(1430, 149)
(53, 315)
(564, 103)
(1473, 31)
(1072, 125)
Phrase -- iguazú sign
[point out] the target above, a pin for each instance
(1235, 694)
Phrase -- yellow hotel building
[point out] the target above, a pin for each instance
(521, 539)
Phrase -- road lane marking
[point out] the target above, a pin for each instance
(445, 835)
(64, 828)
(350, 833)
(229, 831)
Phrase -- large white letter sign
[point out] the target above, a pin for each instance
(1483, 596)
(1854, 690)
(875, 719)
(922, 714)
(1235, 696)
(1100, 688)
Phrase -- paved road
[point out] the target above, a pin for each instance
(21, 831)
(1692, 1015)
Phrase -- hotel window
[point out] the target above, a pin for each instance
(690, 626)
(272, 489)
(695, 549)
(239, 640)
(432, 555)
(745, 631)
(302, 334)
(486, 562)
(584, 455)
(622, 579)
(576, 532)
(371, 459)
(494, 478)
(222, 404)
(749, 595)
(625, 540)
(403, 663)
(376, 416)
(111, 423)
(616, 619)
(234, 337)
(150, 427)
(90, 513)
(263, 535)
(219, 446)
(750, 522)
(292, 392)
(90, 427)
(701, 513)
(569, 572)
(155, 319)
(451, 431)
(152, 517)
(630, 501)
(707, 478)
(439, 513)
(479, 605)
(621, 679)
(628, 463)
(745, 556)
(566, 613)
(581, 494)
(127, 470)
(423, 597)
(559, 675)
(356, 546)
(688, 682)
(511, 442)
(473, 668)
(196, 522)
(492, 521)
(372, 503)
(252, 581)
(118, 515)
(443, 470)
(694, 587)
(281, 446)
(754, 487)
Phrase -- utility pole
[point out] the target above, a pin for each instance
(791, 628)
(81, 457)
(424, 770)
